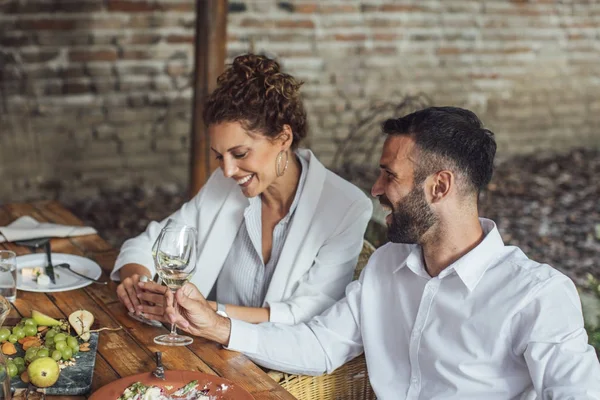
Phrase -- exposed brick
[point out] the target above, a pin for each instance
(136, 54)
(131, 6)
(92, 55)
(180, 39)
(338, 9)
(46, 24)
(306, 8)
(39, 56)
(74, 87)
(355, 37)
(291, 24)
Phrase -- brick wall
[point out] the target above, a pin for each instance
(95, 92)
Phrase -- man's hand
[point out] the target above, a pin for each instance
(196, 316)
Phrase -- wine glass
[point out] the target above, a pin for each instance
(5, 393)
(175, 259)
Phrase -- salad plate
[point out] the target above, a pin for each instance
(178, 385)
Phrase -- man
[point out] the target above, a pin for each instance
(445, 310)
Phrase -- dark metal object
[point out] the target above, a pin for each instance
(67, 266)
(159, 372)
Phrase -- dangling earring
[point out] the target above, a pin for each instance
(278, 168)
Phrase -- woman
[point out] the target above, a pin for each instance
(279, 234)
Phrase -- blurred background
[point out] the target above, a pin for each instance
(96, 102)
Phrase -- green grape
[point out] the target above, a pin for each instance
(21, 368)
(72, 342)
(18, 361)
(32, 350)
(60, 345)
(12, 369)
(4, 334)
(30, 322)
(43, 353)
(56, 355)
(59, 337)
(13, 338)
(49, 342)
(50, 334)
(75, 350)
(30, 330)
(67, 353)
(29, 357)
(18, 332)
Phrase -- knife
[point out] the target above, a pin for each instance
(49, 267)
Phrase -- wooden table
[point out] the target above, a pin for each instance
(128, 351)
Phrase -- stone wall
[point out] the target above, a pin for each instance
(95, 93)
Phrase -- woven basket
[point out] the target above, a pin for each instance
(348, 382)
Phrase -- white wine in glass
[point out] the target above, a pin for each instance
(175, 260)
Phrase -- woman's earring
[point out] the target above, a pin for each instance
(280, 171)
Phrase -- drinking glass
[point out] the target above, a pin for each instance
(5, 393)
(175, 260)
(8, 275)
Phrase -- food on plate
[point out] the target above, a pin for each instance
(81, 321)
(37, 274)
(139, 391)
(43, 372)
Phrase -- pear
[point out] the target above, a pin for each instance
(43, 372)
(43, 320)
(81, 321)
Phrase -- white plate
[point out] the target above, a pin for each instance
(65, 280)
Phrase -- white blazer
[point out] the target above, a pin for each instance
(319, 254)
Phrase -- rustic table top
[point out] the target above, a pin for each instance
(131, 350)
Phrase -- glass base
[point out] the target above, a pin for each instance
(145, 320)
(173, 340)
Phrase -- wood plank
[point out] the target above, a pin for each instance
(237, 368)
(211, 40)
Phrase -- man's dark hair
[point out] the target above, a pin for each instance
(449, 138)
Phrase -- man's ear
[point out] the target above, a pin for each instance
(443, 181)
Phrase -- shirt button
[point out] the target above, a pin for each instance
(414, 381)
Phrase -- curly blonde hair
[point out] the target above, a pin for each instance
(254, 92)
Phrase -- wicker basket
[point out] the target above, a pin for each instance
(348, 382)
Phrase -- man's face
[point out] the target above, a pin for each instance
(411, 215)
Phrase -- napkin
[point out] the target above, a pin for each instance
(28, 228)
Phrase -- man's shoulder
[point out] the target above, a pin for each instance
(391, 256)
(520, 272)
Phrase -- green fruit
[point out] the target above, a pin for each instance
(30, 330)
(72, 342)
(49, 342)
(18, 361)
(43, 319)
(43, 372)
(43, 353)
(67, 353)
(60, 345)
(4, 334)
(18, 332)
(12, 369)
(50, 334)
(13, 338)
(30, 322)
(56, 355)
(59, 337)
(21, 368)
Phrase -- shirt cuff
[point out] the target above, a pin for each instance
(280, 312)
(243, 337)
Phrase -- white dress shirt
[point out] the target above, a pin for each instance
(245, 278)
(493, 325)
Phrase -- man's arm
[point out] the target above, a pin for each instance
(311, 348)
(551, 337)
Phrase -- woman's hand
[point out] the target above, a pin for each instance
(196, 316)
(128, 291)
(154, 299)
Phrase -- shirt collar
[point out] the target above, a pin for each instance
(470, 267)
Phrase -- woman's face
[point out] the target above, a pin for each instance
(248, 158)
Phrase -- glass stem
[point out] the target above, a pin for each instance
(176, 307)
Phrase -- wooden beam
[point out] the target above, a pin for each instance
(211, 40)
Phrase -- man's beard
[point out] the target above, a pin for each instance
(411, 217)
